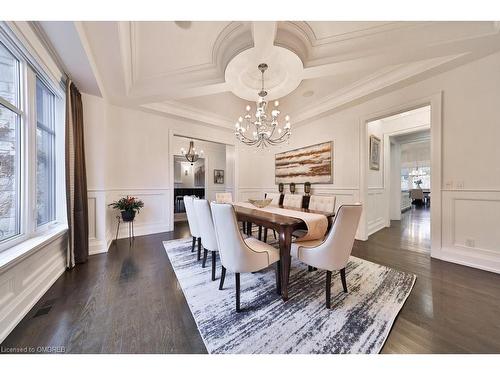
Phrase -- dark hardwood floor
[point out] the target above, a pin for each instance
(129, 301)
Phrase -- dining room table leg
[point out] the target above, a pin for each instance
(285, 243)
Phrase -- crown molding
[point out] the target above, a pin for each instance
(190, 113)
(379, 80)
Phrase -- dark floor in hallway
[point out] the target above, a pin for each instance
(129, 301)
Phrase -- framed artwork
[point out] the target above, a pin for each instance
(218, 176)
(374, 153)
(312, 164)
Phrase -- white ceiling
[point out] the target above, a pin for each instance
(205, 70)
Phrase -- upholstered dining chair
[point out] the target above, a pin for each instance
(193, 223)
(293, 200)
(207, 231)
(322, 203)
(223, 197)
(332, 253)
(238, 255)
(276, 197)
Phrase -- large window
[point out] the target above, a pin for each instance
(10, 146)
(31, 117)
(45, 161)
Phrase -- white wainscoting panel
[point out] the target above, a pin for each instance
(23, 283)
(376, 210)
(471, 222)
(98, 242)
(153, 218)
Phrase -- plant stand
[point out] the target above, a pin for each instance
(131, 235)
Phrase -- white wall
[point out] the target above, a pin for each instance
(128, 153)
(470, 154)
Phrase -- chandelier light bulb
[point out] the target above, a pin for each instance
(248, 108)
(276, 103)
(287, 118)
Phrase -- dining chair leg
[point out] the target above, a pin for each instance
(328, 288)
(265, 234)
(237, 275)
(199, 248)
(342, 277)
(213, 265)
(194, 243)
(222, 277)
(310, 268)
(278, 277)
(205, 253)
(275, 234)
(260, 232)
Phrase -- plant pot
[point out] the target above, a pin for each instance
(128, 215)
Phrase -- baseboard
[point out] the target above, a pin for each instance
(481, 260)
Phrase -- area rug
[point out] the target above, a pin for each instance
(359, 321)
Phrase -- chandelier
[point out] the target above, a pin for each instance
(191, 155)
(262, 129)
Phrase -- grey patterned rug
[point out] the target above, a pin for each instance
(359, 321)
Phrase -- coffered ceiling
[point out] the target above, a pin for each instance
(207, 71)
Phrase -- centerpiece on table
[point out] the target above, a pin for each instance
(128, 206)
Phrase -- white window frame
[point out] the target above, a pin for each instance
(28, 147)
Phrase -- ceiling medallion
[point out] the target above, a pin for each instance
(262, 129)
(192, 155)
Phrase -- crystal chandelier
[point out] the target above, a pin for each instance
(262, 129)
(192, 155)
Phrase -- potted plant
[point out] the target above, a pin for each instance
(128, 207)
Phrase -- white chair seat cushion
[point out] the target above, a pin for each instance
(303, 244)
(261, 247)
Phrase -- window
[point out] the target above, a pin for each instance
(10, 146)
(31, 118)
(410, 177)
(45, 161)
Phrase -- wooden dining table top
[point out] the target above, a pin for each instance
(274, 218)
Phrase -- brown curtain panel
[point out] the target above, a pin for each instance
(76, 179)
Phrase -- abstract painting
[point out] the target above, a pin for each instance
(312, 164)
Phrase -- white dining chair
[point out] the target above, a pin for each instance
(207, 231)
(292, 200)
(276, 197)
(240, 255)
(332, 253)
(193, 223)
(317, 203)
(322, 203)
(223, 197)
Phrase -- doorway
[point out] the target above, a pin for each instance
(211, 173)
(399, 187)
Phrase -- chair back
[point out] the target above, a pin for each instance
(191, 216)
(275, 198)
(416, 194)
(333, 254)
(292, 200)
(223, 197)
(205, 224)
(234, 253)
(322, 203)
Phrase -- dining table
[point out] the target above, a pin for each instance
(284, 224)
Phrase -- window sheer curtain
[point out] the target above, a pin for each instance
(76, 179)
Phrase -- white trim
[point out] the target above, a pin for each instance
(435, 102)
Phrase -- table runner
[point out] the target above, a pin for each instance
(317, 224)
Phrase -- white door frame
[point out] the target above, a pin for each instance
(171, 152)
(435, 102)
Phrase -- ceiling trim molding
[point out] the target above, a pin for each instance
(379, 80)
(190, 113)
